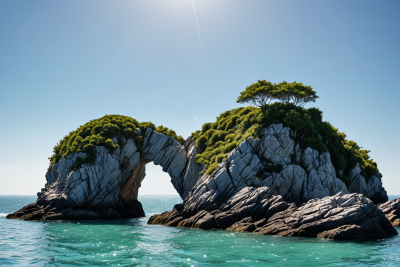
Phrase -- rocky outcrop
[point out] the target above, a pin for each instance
(239, 188)
(32, 212)
(373, 189)
(391, 209)
(341, 216)
(245, 225)
(350, 216)
(108, 189)
(306, 176)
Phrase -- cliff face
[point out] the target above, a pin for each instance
(244, 185)
(305, 174)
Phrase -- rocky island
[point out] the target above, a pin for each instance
(273, 169)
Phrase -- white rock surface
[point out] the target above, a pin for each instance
(373, 189)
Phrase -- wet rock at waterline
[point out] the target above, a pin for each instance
(343, 216)
(108, 189)
(232, 196)
(391, 209)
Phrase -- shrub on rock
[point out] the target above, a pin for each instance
(308, 129)
(100, 132)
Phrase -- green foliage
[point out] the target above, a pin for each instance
(260, 94)
(100, 132)
(169, 132)
(195, 134)
(217, 139)
(268, 166)
(295, 93)
(212, 168)
(201, 143)
(346, 180)
(310, 131)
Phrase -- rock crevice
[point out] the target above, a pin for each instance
(305, 198)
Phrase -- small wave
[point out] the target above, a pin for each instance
(3, 215)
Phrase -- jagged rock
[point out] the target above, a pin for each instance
(391, 209)
(336, 217)
(108, 189)
(245, 225)
(32, 212)
(239, 170)
(256, 202)
(349, 216)
(276, 144)
(373, 189)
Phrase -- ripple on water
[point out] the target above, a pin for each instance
(133, 242)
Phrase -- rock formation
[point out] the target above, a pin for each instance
(305, 176)
(349, 216)
(240, 194)
(392, 211)
(373, 189)
(341, 216)
(108, 189)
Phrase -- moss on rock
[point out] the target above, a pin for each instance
(215, 140)
(100, 132)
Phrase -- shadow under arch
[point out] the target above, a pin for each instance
(178, 160)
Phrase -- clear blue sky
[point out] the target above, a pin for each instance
(63, 63)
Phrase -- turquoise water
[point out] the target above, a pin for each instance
(132, 242)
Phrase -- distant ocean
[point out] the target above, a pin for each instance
(131, 242)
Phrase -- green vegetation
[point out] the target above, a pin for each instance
(269, 166)
(100, 132)
(216, 140)
(260, 94)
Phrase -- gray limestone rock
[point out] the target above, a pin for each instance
(240, 187)
(373, 189)
(108, 189)
(341, 216)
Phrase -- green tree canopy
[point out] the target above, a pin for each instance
(258, 94)
(296, 93)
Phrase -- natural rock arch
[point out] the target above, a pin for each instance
(175, 159)
(108, 188)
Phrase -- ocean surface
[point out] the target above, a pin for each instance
(131, 242)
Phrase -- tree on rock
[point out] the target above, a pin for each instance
(258, 94)
(296, 93)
